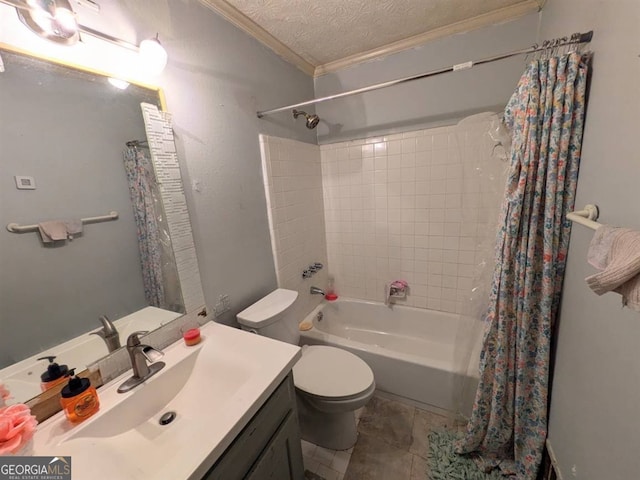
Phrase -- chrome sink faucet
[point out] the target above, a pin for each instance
(139, 355)
(108, 333)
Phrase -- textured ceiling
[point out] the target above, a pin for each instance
(324, 31)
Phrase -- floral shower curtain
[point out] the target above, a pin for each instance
(508, 425)
(141, 188)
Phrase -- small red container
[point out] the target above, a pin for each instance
(331, 297)
(192, 337)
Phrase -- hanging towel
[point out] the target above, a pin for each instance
(617, 252)
(52, 231)
(73, 227)
(600, 247)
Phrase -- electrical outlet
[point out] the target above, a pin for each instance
(223, 305)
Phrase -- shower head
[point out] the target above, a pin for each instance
(312, 120)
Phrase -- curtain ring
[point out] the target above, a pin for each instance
(534, 47)
(567, 45)
(545, 49)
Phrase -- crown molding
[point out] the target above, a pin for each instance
(244, 23)
(237, 18)
(484, 20)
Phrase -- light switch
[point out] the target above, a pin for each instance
(25, 183)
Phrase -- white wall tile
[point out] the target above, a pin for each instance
(411, 222)
(295, 197)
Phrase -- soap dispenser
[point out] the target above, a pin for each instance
(55, 374)
(79, 399)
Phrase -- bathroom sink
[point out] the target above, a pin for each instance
(203, 376)
(213, 388)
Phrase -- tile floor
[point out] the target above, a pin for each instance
(392, 445)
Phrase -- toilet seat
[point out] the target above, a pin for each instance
(330, 373)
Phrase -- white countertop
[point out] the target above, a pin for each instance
(216, 387)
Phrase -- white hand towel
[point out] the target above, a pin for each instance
(74, 227)
(617, 251)
(600, 247)
(52, 231)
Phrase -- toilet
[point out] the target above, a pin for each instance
(331, 383)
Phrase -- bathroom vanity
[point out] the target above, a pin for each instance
(235, 416)
(269, 446)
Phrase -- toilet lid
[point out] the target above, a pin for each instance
(331, 372)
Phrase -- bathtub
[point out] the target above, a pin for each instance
(410, 350)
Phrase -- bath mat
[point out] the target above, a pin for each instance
(445, 464)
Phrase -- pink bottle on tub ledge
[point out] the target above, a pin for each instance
(331, 294)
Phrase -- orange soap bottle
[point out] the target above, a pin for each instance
(55, 374)
(79, 399)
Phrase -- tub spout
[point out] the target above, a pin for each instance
(316, 291)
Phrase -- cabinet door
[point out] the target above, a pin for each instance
(282, 457)
(248, 447)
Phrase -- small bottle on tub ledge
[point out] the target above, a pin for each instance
(331, 294)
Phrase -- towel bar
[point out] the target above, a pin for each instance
(586, 216)
(15, 228)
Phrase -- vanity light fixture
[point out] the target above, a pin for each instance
(55, 20)
(153, 55)
(51, 19)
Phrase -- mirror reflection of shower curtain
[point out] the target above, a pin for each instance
(483, 144)
(159, 273)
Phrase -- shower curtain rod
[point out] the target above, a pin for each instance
(576, 38)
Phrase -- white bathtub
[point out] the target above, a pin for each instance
(410, 350)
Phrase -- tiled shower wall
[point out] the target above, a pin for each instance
(393, 210)
(293, 185)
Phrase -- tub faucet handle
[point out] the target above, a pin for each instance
(396, 289)
(315, 267)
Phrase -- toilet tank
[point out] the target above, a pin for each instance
(272, 317)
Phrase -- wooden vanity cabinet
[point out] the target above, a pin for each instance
(269, 447)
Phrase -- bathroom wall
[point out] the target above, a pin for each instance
(394, 210)
(435, 101)
(596, 388)
(293, 186)
(216, 79)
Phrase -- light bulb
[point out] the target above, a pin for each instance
(44, 20)
(67, 23)
(153, 56)
(118, 83)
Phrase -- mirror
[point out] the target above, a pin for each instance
(63, 132)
